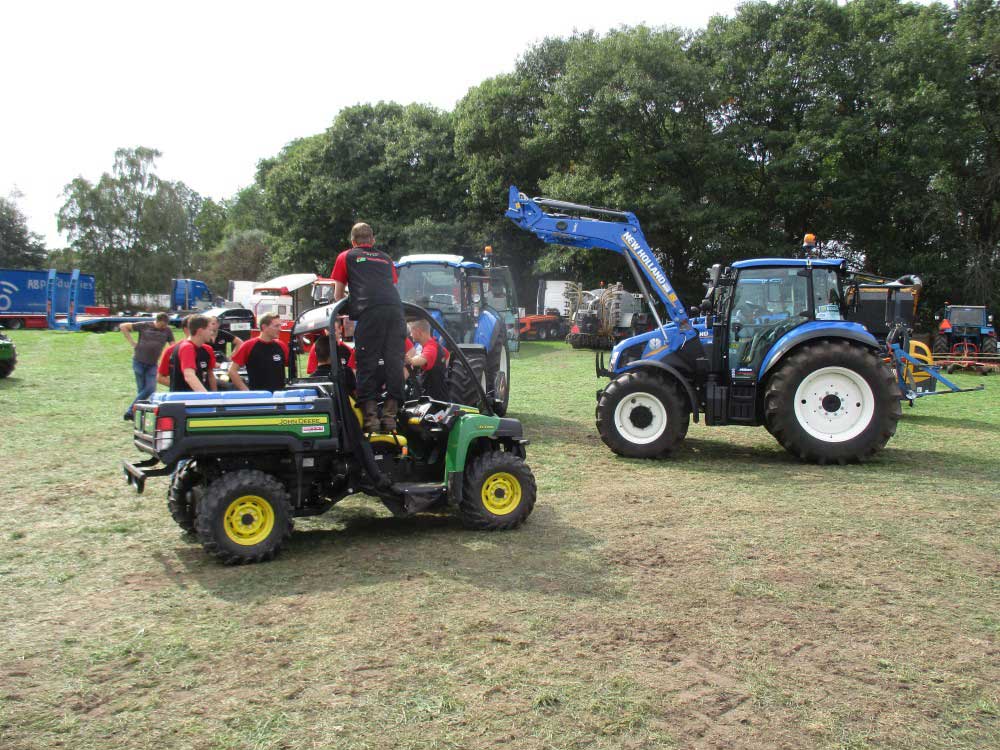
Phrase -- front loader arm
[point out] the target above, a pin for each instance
(620, 234)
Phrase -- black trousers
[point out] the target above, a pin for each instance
(379, 344)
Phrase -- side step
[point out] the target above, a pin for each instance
(418, 496)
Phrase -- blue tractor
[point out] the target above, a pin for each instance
(472, 302)
(964, 330)
(772, 347)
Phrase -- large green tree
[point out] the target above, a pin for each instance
(19, 246)
(390, 165)
(131, 229)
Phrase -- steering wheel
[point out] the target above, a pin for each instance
(748, 313)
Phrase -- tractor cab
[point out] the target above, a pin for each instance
(448, 286)
(760, 301)
(470, 301)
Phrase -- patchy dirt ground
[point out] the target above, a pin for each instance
(726, 598)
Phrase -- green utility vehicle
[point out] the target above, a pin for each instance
(244, 464)
(8, 356)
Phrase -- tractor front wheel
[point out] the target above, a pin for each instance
(498, 492)
(244, 517)
(498, 372)
(832, 402)
(642, 415)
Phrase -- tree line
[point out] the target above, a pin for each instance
(874, 124)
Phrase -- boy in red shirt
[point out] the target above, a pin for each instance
(192, 363)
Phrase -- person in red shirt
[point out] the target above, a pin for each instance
(378, 336)
(264, 356)
(163, 369)
(192, 363)
(432, 360)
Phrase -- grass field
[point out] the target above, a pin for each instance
(729, 597)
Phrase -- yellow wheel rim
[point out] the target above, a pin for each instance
(249, 520)
(501, 493)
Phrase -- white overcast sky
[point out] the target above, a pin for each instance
(217, 85)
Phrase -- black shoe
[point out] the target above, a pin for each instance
(127, 417)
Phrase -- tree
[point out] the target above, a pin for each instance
(19, 247)
(245, 254)
(390, 165)
(133, 230)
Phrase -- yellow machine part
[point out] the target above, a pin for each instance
(922, 353)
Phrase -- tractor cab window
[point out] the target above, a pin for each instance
(766, 304)
(433, 286)
(826, 294)
(967, 316)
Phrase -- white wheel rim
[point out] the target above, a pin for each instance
(505, 371)
(834, 404)
(640, 418)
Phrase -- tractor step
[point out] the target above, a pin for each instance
(419, 496)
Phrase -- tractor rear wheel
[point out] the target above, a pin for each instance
(462, 384)
(244, 517)
(832, 402)
(940, 345)
(642, 415)
(498, 492)
(989, 345)
(543, 332)
(183, 495)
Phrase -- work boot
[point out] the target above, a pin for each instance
(389, 410)
(369, 416)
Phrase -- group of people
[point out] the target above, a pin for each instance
(382, 350)
(189, 365)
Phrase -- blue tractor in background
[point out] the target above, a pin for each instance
(964, 330)
(771, 347)
(473, 303)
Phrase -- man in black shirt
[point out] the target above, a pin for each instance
(380, 331)
(264, 356)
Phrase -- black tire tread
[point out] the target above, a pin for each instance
(779, 413)
(470, 508)
(217, 494)
(493, 365)
(643, 380)
(179, 501)
(461, 387)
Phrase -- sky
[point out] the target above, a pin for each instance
(216, 85)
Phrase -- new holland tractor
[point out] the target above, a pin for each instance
(772, 349)
(472, 302)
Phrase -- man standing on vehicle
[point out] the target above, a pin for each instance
(432, 359)
(153, 336)
(380, 331)
(264, 356)
(192, 363)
